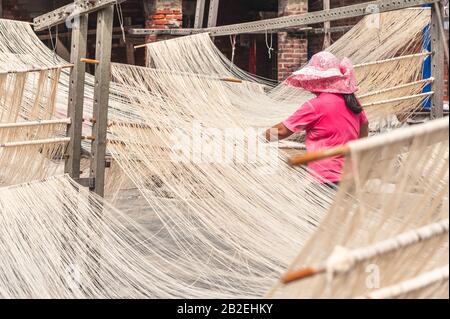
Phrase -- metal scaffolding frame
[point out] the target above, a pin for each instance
(302, 20)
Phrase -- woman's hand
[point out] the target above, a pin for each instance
(364, 131)
(277, 132)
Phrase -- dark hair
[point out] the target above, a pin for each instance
(353, 103)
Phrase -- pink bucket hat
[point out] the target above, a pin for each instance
(326, 73)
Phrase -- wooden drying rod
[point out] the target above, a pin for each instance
(36, 142)
(304, 273)
(34, 123)
(90, 61)
(231, 80)
(319, 155)
(42, 142)
(63, 66)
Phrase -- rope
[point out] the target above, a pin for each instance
(120, 17)
(233, 39)
(269, 46)
(55, 56)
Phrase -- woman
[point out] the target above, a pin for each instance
(335, 117)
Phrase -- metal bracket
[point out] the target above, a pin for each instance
(295, 21)
(199, 14)
(318, 16)
(70, 11)
(86, 182)
(437, 63)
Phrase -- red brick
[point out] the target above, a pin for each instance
(160, 22)
(174, 17)
(164, 11)
(158, 16)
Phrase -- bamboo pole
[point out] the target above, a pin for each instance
(141, 46)
(90, 61)
(301, 274)
(425, 81)
(403, 240)
(63, 66)
(35, 142)
(231, 80)
(399, 99)
(319, 155)
(34, 123)
(393, 59)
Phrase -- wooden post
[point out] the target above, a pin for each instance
(101, 97)
(437, 64)
(130, 52)
(76, 96)
(199, 14)
(326, 26)
(213, 12)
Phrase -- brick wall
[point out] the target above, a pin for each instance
(292, 50)
(163, 14)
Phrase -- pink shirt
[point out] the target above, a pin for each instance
(328, 122)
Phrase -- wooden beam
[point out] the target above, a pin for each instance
(131, 59)
(199, 14)
(76, 97)
(213, 12)
(437, 64)
(101, 97)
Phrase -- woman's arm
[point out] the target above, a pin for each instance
(278, 132)
(364, 131)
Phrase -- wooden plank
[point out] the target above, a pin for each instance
(437, 65)
(101, 97)
(213, 12)
(76, 97)
(130, 52)
(199, 14)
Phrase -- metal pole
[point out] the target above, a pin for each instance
(437, 64)
(101, 97)
(76, 97)
(213, 12)
(439, 9)
(326, 26)
(199, 14)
